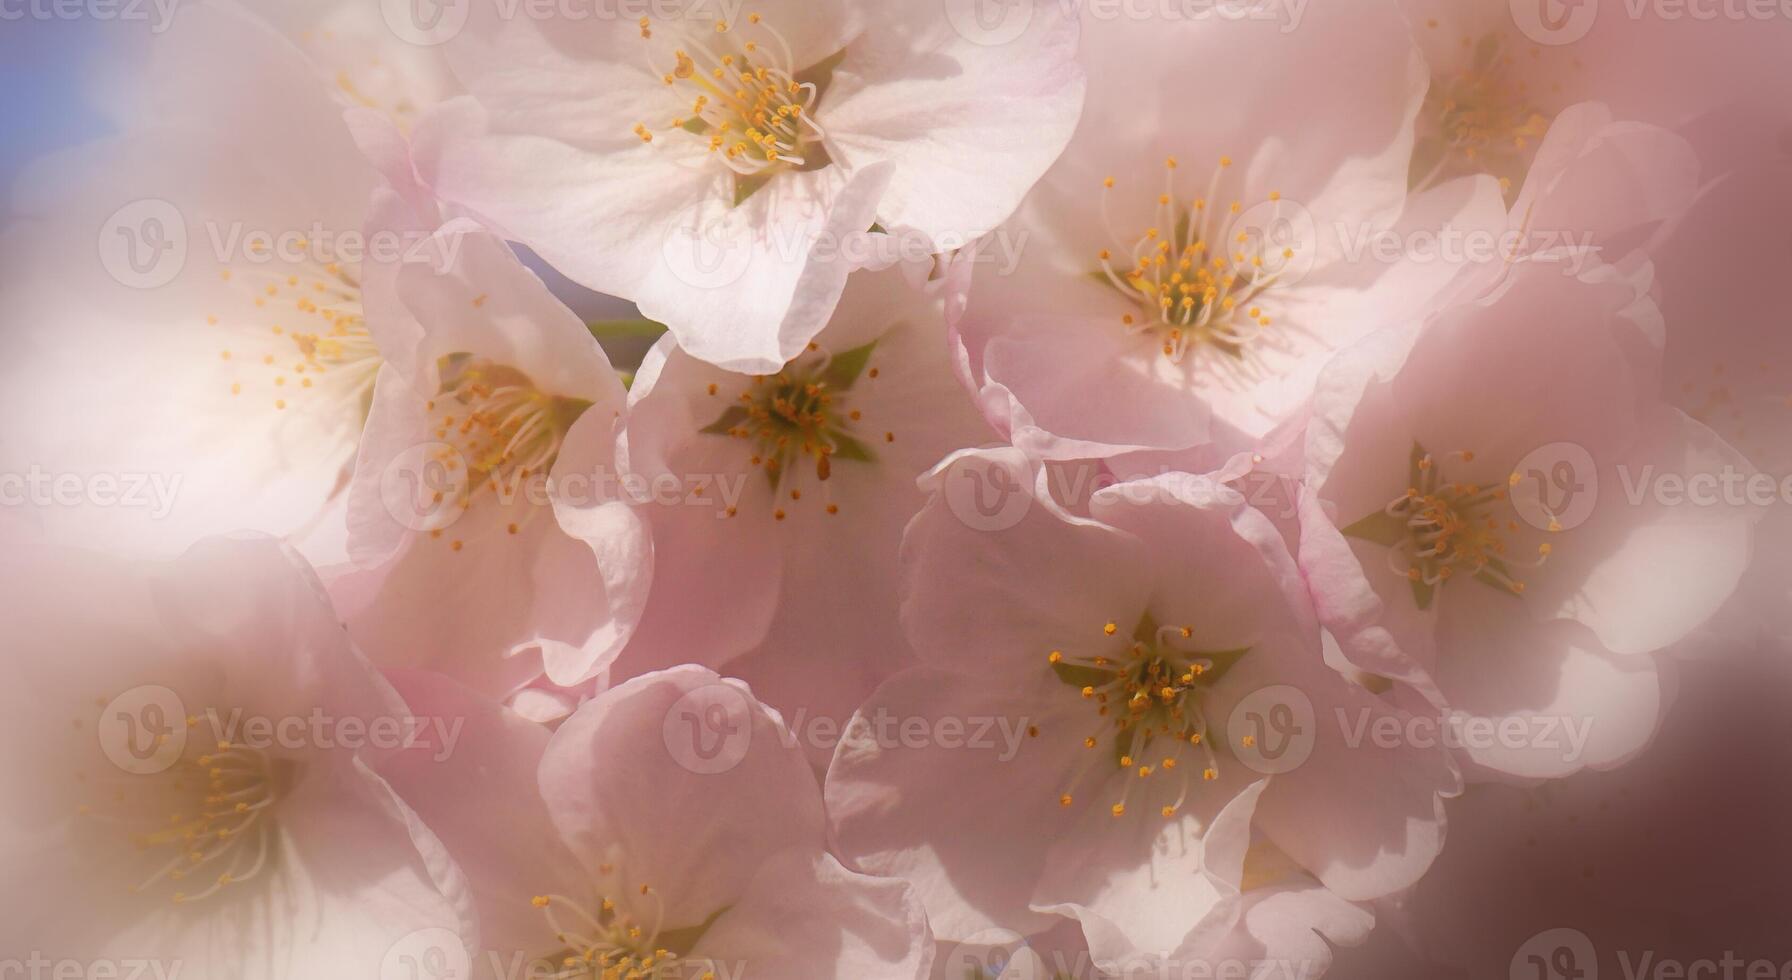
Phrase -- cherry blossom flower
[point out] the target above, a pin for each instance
(1131, 646)
(219, 339)
(1473, 524)
(1190, 263)
(162, 824)
(777, 501)
(713, 170)
(1596, 189)
(1145, 471)
(1501, 73)
(610, 856)
(478, 503)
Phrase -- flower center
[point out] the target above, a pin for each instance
(1440, 529)
(201, 826)
(1197, 290)
(304, 336)
(505, 431)
(1147, 697)
(608, 943)
(1483, 118)
(802, 419)
(741, 96)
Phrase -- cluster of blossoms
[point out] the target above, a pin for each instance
(1077, 480)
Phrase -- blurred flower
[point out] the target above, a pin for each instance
(161, 825)
(1728, 361)
(362, 57)
(1482, 520)
(224, 335)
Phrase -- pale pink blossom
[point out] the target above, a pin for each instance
(479, 511)
(222, 339)
(1129, 646)
(1473, 524)
(777, 501)
(1180, 275)
(1502, 71)
(669, 828)
(149, 816)
(1595, 190)
(714, 172)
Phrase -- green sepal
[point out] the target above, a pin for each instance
(731, 417)
(844, 370)
(1379, 528)
(847, 447)
(624, 329)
